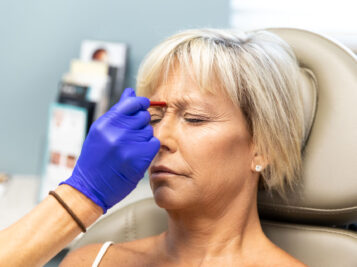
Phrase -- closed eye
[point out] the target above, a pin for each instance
(194, 120)
(154, 121)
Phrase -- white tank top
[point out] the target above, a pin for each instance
(101, 253)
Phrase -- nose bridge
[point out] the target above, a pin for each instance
(165, 130)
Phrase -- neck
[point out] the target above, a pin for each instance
(214, 232)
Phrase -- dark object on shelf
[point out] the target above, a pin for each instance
(75, 95)
(72, 91)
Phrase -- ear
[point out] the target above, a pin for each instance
(258, 160)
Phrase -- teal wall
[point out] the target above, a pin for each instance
(40, 37)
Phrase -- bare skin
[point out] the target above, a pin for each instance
(210, 193)
(27, 242)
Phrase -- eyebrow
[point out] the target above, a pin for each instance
(185, 102)
(182, 103)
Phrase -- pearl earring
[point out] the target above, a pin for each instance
(258, 168)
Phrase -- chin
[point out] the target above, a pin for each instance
(168, 199)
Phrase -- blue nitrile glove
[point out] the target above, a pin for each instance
(116, 153)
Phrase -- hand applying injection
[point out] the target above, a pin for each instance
(119, 148)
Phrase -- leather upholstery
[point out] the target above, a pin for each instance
(137, 220)
(309, 99)
(314, 245)
(327, 192)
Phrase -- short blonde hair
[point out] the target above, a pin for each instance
(259, 73)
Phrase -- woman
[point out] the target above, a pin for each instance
(233, 120)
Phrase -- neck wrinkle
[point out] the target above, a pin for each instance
(203, 236)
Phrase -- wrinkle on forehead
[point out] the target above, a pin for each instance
(183, 77)
(180, 91)
(181, 81)
(186, 101)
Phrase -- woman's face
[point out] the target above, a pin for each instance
(206, 152)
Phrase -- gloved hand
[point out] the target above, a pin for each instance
(116, 153)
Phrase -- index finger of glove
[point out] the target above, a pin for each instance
(128, 92)
(131, 105)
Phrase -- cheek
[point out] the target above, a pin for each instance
(217, 152)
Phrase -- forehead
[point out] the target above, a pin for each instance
(181, 87)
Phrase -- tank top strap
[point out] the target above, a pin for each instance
(101, 253)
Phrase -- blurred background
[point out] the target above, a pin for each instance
(40, 38)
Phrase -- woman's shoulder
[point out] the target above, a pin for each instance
(279, 257)
(131, 253)
(288, 260)
(135, 253)
(83, 256)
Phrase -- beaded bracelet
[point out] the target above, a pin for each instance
(68, 209)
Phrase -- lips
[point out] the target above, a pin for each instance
(162, 169)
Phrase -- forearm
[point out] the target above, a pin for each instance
(122, 139)
(47, 229)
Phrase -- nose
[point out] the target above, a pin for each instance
(166, 131)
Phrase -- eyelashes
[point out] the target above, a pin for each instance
(154, 121)
(194, 120)
(189, 120)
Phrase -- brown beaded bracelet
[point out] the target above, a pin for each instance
(68, 209)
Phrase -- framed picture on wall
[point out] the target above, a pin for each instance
(65, 136)
(115, 55)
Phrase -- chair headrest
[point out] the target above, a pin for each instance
(309, 98)
(327, 193)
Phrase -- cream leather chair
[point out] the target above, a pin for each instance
(327, 194)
